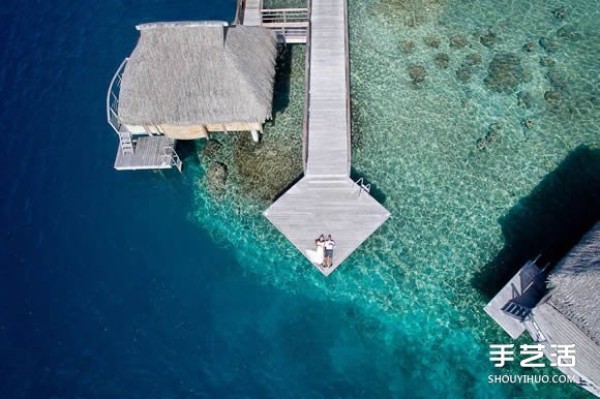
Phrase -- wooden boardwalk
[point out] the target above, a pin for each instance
(252, 12)
(326, 201)
(328, 96)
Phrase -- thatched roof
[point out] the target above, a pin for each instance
(575, 284)
(559, 330)
(188, 73)
(570, 313)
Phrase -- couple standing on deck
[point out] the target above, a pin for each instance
(324, 253)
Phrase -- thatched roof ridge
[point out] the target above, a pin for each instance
(180, 24)
(575, 285)
(204, 72)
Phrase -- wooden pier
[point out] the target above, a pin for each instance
(326, 201)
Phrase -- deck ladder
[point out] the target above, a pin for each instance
(125, 142)
(516, 310)
(171, 156)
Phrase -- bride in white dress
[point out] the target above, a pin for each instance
(317, 256)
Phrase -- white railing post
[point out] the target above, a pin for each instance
(112, 98)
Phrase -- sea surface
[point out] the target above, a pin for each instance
(155, 285)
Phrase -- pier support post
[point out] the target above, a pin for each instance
(255, 135)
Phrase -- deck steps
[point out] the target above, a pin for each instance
(125, 142)
(516, 310)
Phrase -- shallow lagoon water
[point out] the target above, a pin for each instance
(464, 218)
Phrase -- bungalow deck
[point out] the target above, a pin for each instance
(512, 305)
(151, 152)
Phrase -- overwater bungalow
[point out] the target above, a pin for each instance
(563, 309)
(185, 80)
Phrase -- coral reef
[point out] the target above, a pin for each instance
(559, 13)
(458, 41)
(557, 79)
(211, 149)
(473, 59)
(568, 32)
(263, 171)
(216, 177)
(413, 13)
(442, 60)
(492, 135)
(432, 41)
(528, 47)
(481, 144)
(524, 99)
(547, 61)
(552, 96)
(527, 123)
(487, 38)
(464, 73)
(408, 46)
(505, 73)
(550, 45)
(417, 74)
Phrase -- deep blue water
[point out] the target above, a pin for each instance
(107, 289)
(110, 287)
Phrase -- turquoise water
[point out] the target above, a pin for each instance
(464, 217)
(150, 285)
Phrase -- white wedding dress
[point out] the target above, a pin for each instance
(317, 256)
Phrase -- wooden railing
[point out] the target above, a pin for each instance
(239, 12)
(289, 17)
(348, 86)
(170, 157)
(112, 98)
(290, 24)
(291, 35)
(306, 95)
